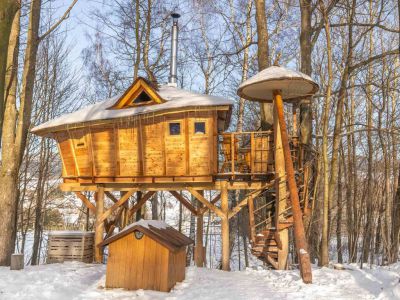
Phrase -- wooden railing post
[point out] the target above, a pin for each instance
(233, 154)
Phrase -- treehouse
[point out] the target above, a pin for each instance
(148, 134)
(163, 138)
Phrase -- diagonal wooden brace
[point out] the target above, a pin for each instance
(86, 201)
(208, 204)
(213, 201)
(120, 202)
(140, 203)
(184, 202)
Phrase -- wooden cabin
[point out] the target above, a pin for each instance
(148, 134)
(146, 255)
(156, 134)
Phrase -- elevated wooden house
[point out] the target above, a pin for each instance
(147, 255)
(148, 134)
(162, 138)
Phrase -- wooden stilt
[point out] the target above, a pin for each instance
(225, 226)
(251, 219)
(280, 188)
(199, 252)
(299, 235)
(99, 230)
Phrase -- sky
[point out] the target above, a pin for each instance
(77, 25)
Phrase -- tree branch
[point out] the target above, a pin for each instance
(372, 59)
(367, 25)
(64, 17)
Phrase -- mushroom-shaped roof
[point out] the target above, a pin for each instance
(293, 85)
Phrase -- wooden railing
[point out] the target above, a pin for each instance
(249, 153)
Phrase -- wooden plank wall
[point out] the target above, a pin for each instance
(141, 148)
(70, 248)
(139, 264)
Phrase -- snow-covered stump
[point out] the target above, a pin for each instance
(17, 261)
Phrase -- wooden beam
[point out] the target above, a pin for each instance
(86, 201)
(203, 200)
(225, 228)
(251, 219)
(99, 228)
(244, 202)
(199, 251)
(184, 202)
(111, 196)
(281, 236)
(139, 204)
(213, 201)
(299, 233)
(173, 186)
(119, 203)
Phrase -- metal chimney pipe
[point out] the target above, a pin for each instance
(173, 78)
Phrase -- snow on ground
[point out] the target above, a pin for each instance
(80, 281)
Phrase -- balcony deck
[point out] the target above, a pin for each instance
(248, 156)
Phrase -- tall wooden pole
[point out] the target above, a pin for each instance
(199, 252)
(225, 226)
(99, 228)
(281, 192)
(299, 235)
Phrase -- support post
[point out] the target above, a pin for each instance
(139, 212)
(299, 234)
(99, 228)
(199, 252)
(225, 226)
(280, 188)
(250, 205)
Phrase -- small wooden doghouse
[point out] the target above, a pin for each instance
(70, 246)
(146, 255)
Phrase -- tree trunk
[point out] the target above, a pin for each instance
(305, 67)
(8, 11)
(154, 207)
(325, 123)
(9, 167)
(267, 115)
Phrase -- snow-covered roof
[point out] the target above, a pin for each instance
(157, 230)
(174, 98)
(146, 224)
(293, 84)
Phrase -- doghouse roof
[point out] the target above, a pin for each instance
(156, 230)
(140, 98)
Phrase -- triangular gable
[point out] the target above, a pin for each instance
(140, 93)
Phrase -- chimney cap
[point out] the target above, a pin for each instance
(175, 15)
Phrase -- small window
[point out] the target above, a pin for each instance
(199, 127)
(142, 98)
(174, 128)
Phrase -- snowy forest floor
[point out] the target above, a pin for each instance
(86, 281)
